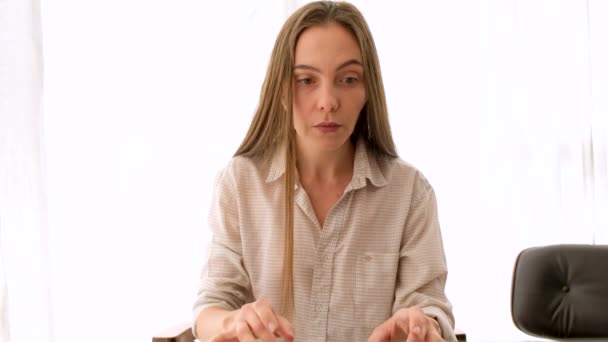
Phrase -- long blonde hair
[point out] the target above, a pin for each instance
(272, 124)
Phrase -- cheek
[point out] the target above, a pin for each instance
(301, 101)
(356, 102)
(301, 108)
(298, 118)
(362, 98)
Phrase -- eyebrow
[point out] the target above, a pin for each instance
(341, 66)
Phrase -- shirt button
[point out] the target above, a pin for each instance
(368, 258)
(319, 307)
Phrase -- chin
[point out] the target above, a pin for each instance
(332, 145)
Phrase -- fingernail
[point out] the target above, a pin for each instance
(417, 330)
(272, 327)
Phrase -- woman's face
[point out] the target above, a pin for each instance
(329, 87)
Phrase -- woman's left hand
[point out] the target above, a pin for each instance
(410, 325)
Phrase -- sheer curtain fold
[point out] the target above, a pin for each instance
(23, 228)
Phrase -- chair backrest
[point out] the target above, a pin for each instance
(561, 291)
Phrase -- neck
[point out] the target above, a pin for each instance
(325, 166)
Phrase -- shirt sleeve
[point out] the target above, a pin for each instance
(422, 271)
(224, 280)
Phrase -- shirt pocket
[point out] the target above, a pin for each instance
(376, 274)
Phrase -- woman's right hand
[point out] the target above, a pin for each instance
(252, 322)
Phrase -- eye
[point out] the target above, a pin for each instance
(350, 80)
(305, 80)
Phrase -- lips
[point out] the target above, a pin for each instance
(328, 124)
(328, 127)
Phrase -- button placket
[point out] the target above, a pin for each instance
(321, 290)
(323, 268)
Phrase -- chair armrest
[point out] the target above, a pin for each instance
(178, 333)
(460, 335)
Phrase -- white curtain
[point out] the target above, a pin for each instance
(502, 104)
(24, 264)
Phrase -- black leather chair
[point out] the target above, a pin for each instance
(561, 291)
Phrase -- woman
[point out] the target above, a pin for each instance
(321, 233)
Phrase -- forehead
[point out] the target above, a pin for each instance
(326, 46)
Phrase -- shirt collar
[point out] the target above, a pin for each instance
(365, 167)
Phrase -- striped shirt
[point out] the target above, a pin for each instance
(379, 250)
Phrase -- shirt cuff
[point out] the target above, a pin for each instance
(447, 330)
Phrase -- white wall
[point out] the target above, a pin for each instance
(144, 102)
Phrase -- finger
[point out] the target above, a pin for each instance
(243, 332)
(223, 337)
(417, 330)
(266, 314)
(402, 322)
(434, 334)
(436, 326)
(402, 319)
(383, 332)
(257, 326)
(435, 337)
(415, 334)
(420, 322)
(285, 329)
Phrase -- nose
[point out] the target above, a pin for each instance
(328, 101)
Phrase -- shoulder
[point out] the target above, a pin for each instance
(402, 174)
(243, 170)
(239, 165)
